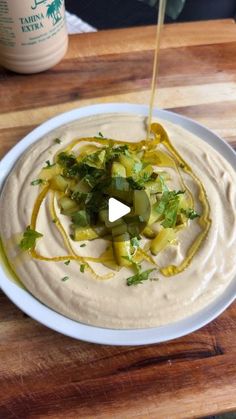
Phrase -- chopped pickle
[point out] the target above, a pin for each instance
(103, 217)
(147, 171)
(141, 204)
(118, 170)
(67, 205)
(162, 240)
(79, 218)
(154, 217)
(119, 229)
(153, 199)
(58, 183)
(122, 250)
(128, 163)
(125, 197)
(108, 260)
(149, 233)
(181, 220)
(82, 187)
(183, 202)
(133, 228)
(88, 233)
(48, 173)
(153, 186)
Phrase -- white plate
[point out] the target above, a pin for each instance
(38, 311)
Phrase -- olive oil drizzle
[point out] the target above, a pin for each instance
(204, 220)
(160, 137)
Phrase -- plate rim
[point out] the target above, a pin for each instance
(95, 334)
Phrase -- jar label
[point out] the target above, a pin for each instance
(31, 22)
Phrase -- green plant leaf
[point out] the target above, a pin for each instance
(190, 213)
(29, 239)
(139, 277)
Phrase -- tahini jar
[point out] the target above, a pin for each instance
(33, 34)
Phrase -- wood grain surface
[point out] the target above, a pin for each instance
(46, 375)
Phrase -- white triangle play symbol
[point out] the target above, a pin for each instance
(116, 209)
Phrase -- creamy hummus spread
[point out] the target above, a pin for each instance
(109, 302)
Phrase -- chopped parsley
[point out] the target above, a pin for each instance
(82, 268)
(71, 168)
(113, 153)
(83, 245)
(57, 141)
(29, 239)
(139, 277)
(67, 262)
(48, 165)
(136, 183)
(37, 182)
(65, 278)
(135, 242)
(190, 213)
(80, 218)
(96, 159)
(168, 207)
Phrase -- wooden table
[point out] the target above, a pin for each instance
(46, 375)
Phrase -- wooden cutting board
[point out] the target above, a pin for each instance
(46, 375)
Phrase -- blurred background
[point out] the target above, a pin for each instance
(108, 14)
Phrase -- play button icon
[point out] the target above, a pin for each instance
(116, 209)
(123, 212)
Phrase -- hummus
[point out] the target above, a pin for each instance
(109, 302)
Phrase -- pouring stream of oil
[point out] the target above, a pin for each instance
(160, 22)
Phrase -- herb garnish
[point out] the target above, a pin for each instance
(136, 184)
(37, 182)
(168, 206)
(113, 153)
(67, 262)
(139, 277)
(82, 268)
(65, 278)
(80, 218)
(71, 168)
(29, 238)
(83, 245)
(190, 213)
(96, 159)
(48, 165)
(135, 242)
(57, 140)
